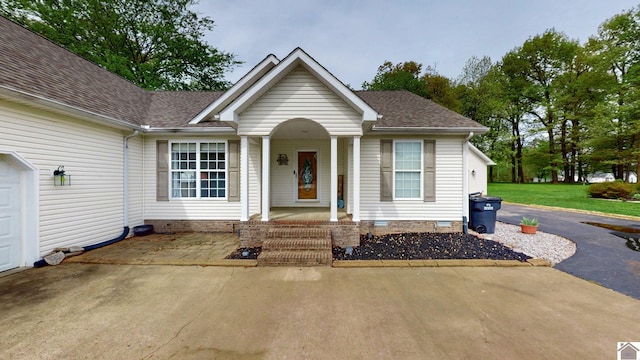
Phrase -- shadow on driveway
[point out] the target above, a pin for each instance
(205, 249)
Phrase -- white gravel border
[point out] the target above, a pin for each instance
(541, 245)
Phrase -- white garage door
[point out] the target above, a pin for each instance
(9, 216)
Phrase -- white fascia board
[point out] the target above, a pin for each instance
(238, 88)
(62, 108)
(480, 154)
(429, 130)
(295, 58)
(215, 130)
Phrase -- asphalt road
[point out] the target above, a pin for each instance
(601, 257)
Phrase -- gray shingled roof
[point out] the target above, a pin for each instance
(172, 109)
(404, 109)
(33, 65)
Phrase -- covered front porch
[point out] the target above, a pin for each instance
(302, 214)
(300, 171)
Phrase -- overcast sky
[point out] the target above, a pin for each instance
(351, 38)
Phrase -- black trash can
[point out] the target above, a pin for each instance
(482, 213)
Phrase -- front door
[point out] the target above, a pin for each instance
(10, 248)
(307, 175)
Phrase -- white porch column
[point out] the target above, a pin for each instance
(334, 179)
(244, 178)
(266, 148)
(355, 216)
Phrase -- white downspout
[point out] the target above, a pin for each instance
(126, 176)
(465, 181)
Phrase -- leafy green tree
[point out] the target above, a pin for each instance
(537, 165)
(536, 67)
(616, 136)
(582, 91)
(480, 92)
(157, 44)
(402, 76)
(408, 76)
(441, 91)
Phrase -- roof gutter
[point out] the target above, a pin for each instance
(215, 130)
(465, 181)
(126, 176)
(22, 97)
(27, 99)
(431, 130)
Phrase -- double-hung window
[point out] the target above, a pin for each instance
(198, 170)
(407, 169)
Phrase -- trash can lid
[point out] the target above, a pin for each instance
(484, 199)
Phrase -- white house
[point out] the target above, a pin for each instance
(288, 134)
(477, 170)
(599, 177)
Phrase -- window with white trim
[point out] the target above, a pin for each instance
(407, 170)
(198, 170)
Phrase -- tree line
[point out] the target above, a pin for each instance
(156, 44)
(558, 110)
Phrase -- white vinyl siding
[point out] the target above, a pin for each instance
(299, 95)
(448, 204)
(182, 208)
(136, 181)
(477, 173)
(91, 209)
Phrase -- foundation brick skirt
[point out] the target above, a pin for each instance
(343, 233)
(409, 226)
(174, 226)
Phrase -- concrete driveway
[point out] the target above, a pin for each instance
(601, 257)
(89, 311)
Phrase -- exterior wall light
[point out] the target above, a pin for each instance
(60, 178)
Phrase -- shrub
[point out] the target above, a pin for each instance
(527, 221)
(613, 190)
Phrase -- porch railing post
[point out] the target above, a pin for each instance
(334, 179)
(266, 148)
(244, 178)
(355, 216)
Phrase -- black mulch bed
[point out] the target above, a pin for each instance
(414, 246)
(253, 253)
(422, 246)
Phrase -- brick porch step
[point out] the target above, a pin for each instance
(296, 246)
(295, 258)
(287, 232)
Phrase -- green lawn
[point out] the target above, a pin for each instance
(560, 195)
